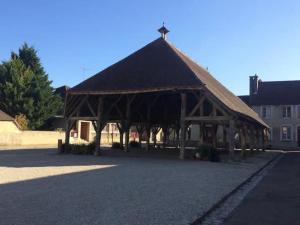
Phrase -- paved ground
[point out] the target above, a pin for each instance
(276, 199)
(41, 187)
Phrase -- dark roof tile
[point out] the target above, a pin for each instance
(277, 93)
(5, 117)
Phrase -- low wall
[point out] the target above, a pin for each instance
(31, 138)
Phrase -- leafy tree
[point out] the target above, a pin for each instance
(26, 89)
(15, 80)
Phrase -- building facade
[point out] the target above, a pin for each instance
(278, 103)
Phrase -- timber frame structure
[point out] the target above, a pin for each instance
(160, 87)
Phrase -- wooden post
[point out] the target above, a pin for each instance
(154, 131)
(214, 135)
(99, 125)
(243, 140)
(224, 136)
(257, 139)
(121, 139)
(231, 138)
(201, 134)
(127, 122)
(165, 130)
(182, 125)
(67, 136)
(140, 130)
(252, 139)
(154, 138)
(177, 131)
(148, 131)
(121, 133)
(263, 137)
(148, 127)
(127, 140)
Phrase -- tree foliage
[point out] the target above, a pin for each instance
(26, 89)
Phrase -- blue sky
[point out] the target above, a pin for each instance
(233, 38)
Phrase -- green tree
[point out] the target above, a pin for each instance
(15, 80)
(25, 88)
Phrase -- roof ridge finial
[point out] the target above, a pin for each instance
(163, 31)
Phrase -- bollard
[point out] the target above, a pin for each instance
(60, 146)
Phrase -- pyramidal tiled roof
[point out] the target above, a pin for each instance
(160, 66)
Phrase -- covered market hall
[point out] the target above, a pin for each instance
(159, 86)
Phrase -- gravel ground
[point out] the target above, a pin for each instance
(40, 187)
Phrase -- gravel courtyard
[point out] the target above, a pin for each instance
(39, 187)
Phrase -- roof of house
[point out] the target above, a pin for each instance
(245, 98)
(160, 66)
(62, 90)
(277, 93)
(5, 117)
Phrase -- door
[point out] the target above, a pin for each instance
(85, 130)
(298, 134)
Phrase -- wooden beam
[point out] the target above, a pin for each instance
(79, 105)
(91, 108)
(114, 104)
(84, 118)
(215, 103)
(71, 105)
(208, 118)
(182, 125)
(197, 106)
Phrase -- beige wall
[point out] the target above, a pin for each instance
(8, 126)
(24, 138)
(11, 135)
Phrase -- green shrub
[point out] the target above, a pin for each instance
(116, 145)
(134, 144)
(207, 152)
(80, 149)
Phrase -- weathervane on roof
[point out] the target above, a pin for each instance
(163, 31)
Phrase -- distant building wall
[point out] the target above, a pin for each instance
(276, 121)
(25, 138)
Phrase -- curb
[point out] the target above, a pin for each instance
(223, 199)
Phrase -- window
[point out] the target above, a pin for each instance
(266, 112)
(286, 133)
(286, 111)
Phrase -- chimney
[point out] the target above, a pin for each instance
(253, 85)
